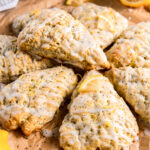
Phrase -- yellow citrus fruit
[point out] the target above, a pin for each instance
(105, 23)
(133, 3)
(147, 4)
(91, 84)
(75, 2)
(4, 140)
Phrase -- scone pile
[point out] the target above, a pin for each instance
(98, 116)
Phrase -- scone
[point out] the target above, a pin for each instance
(14, 62)
(132, 48)
(21, 21)
(134, 85)
(62, 38)
(32, 100)
(104, 23)
(98, 117)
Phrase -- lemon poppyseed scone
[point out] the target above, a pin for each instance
(32, 100)
(62, 38)
(14, 62)
(132, 48)
(98, 117)
(21, 21)
(104, 23)
(134, 85)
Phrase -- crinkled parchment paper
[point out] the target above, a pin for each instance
(36, 141)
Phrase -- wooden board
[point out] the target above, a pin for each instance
(37, 141)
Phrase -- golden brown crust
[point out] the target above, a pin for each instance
(132, 48)
(104, 23)
(14, 62)
(32, 100)
(97, 119)
(133, 84)
(20, 22)
(60, 37)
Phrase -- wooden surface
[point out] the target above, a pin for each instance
(36, 141)
(6, 17)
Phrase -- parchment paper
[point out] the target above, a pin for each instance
(36, 141)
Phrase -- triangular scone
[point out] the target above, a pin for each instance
(14, 62)
(104, 23)
(98, 117)
(60, 37)
(21, 21)
(132, 48)
(134, 85)
(32, 100)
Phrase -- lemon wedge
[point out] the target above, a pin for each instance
(75, 2)
(105, 23)
(4, 140)
(147, 4)
(133, 3)
(91, 84)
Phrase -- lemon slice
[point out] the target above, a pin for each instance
(4, 140)
(147, 4)
(105, 23)
(91, 84)
(75, 2)
(133, 3)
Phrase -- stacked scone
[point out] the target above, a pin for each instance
(98, 116)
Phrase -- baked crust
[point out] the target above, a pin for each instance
(132, 48)
(97, 119)
(60, 37)
(133, 84)
(104, 23)
(21, 21)
(32, 100)
(14, 62)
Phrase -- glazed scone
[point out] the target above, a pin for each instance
(132, 48)
(14, 62)
(21, 21)
(98, 117)
(32, 100)
(104, 23)
(134, 85)
(62, 38)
